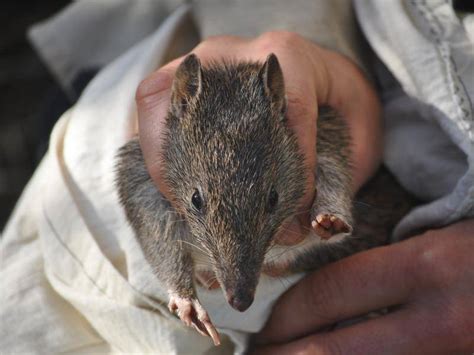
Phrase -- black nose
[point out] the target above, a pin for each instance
(240, 301)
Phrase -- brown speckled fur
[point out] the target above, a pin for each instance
(226, 137)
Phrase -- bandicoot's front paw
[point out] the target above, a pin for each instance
(326, 225)
(191, 313)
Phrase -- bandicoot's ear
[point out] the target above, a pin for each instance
(187, 83)
(273, 82)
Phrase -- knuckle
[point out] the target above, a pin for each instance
(279, 38)
(437, 265)
(215, 42)
(283, 36)
(213, 39)
(210, 42)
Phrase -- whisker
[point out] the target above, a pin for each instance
(283, 279)
(194, 245)
(209, 282)
(285, 250)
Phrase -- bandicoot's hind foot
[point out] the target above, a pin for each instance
(193, 314)
(326, 225)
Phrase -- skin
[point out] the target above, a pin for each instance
(428, 279)
(313, 76)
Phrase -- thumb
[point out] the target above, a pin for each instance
(152, 100)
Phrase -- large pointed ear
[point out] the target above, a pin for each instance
(274, 85)
(187, 84)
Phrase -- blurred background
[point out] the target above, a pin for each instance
(30, 100)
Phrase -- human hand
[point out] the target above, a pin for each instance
(313, 76)
(428, 281)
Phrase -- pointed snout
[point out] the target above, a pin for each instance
(240, 300)
(238, 270)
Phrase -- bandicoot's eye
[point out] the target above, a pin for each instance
(197, 200)
(272, 199)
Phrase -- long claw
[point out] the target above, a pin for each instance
(193, 314)
(212, 333)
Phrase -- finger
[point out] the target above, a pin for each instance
(301, 83)
(302, 120)
(300, 79)
(356, 285)
(401, 332)
(152, 99)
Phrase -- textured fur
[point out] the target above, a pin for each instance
(222, 145)
(226, 137)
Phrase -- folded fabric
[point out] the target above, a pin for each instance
(430, 119)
